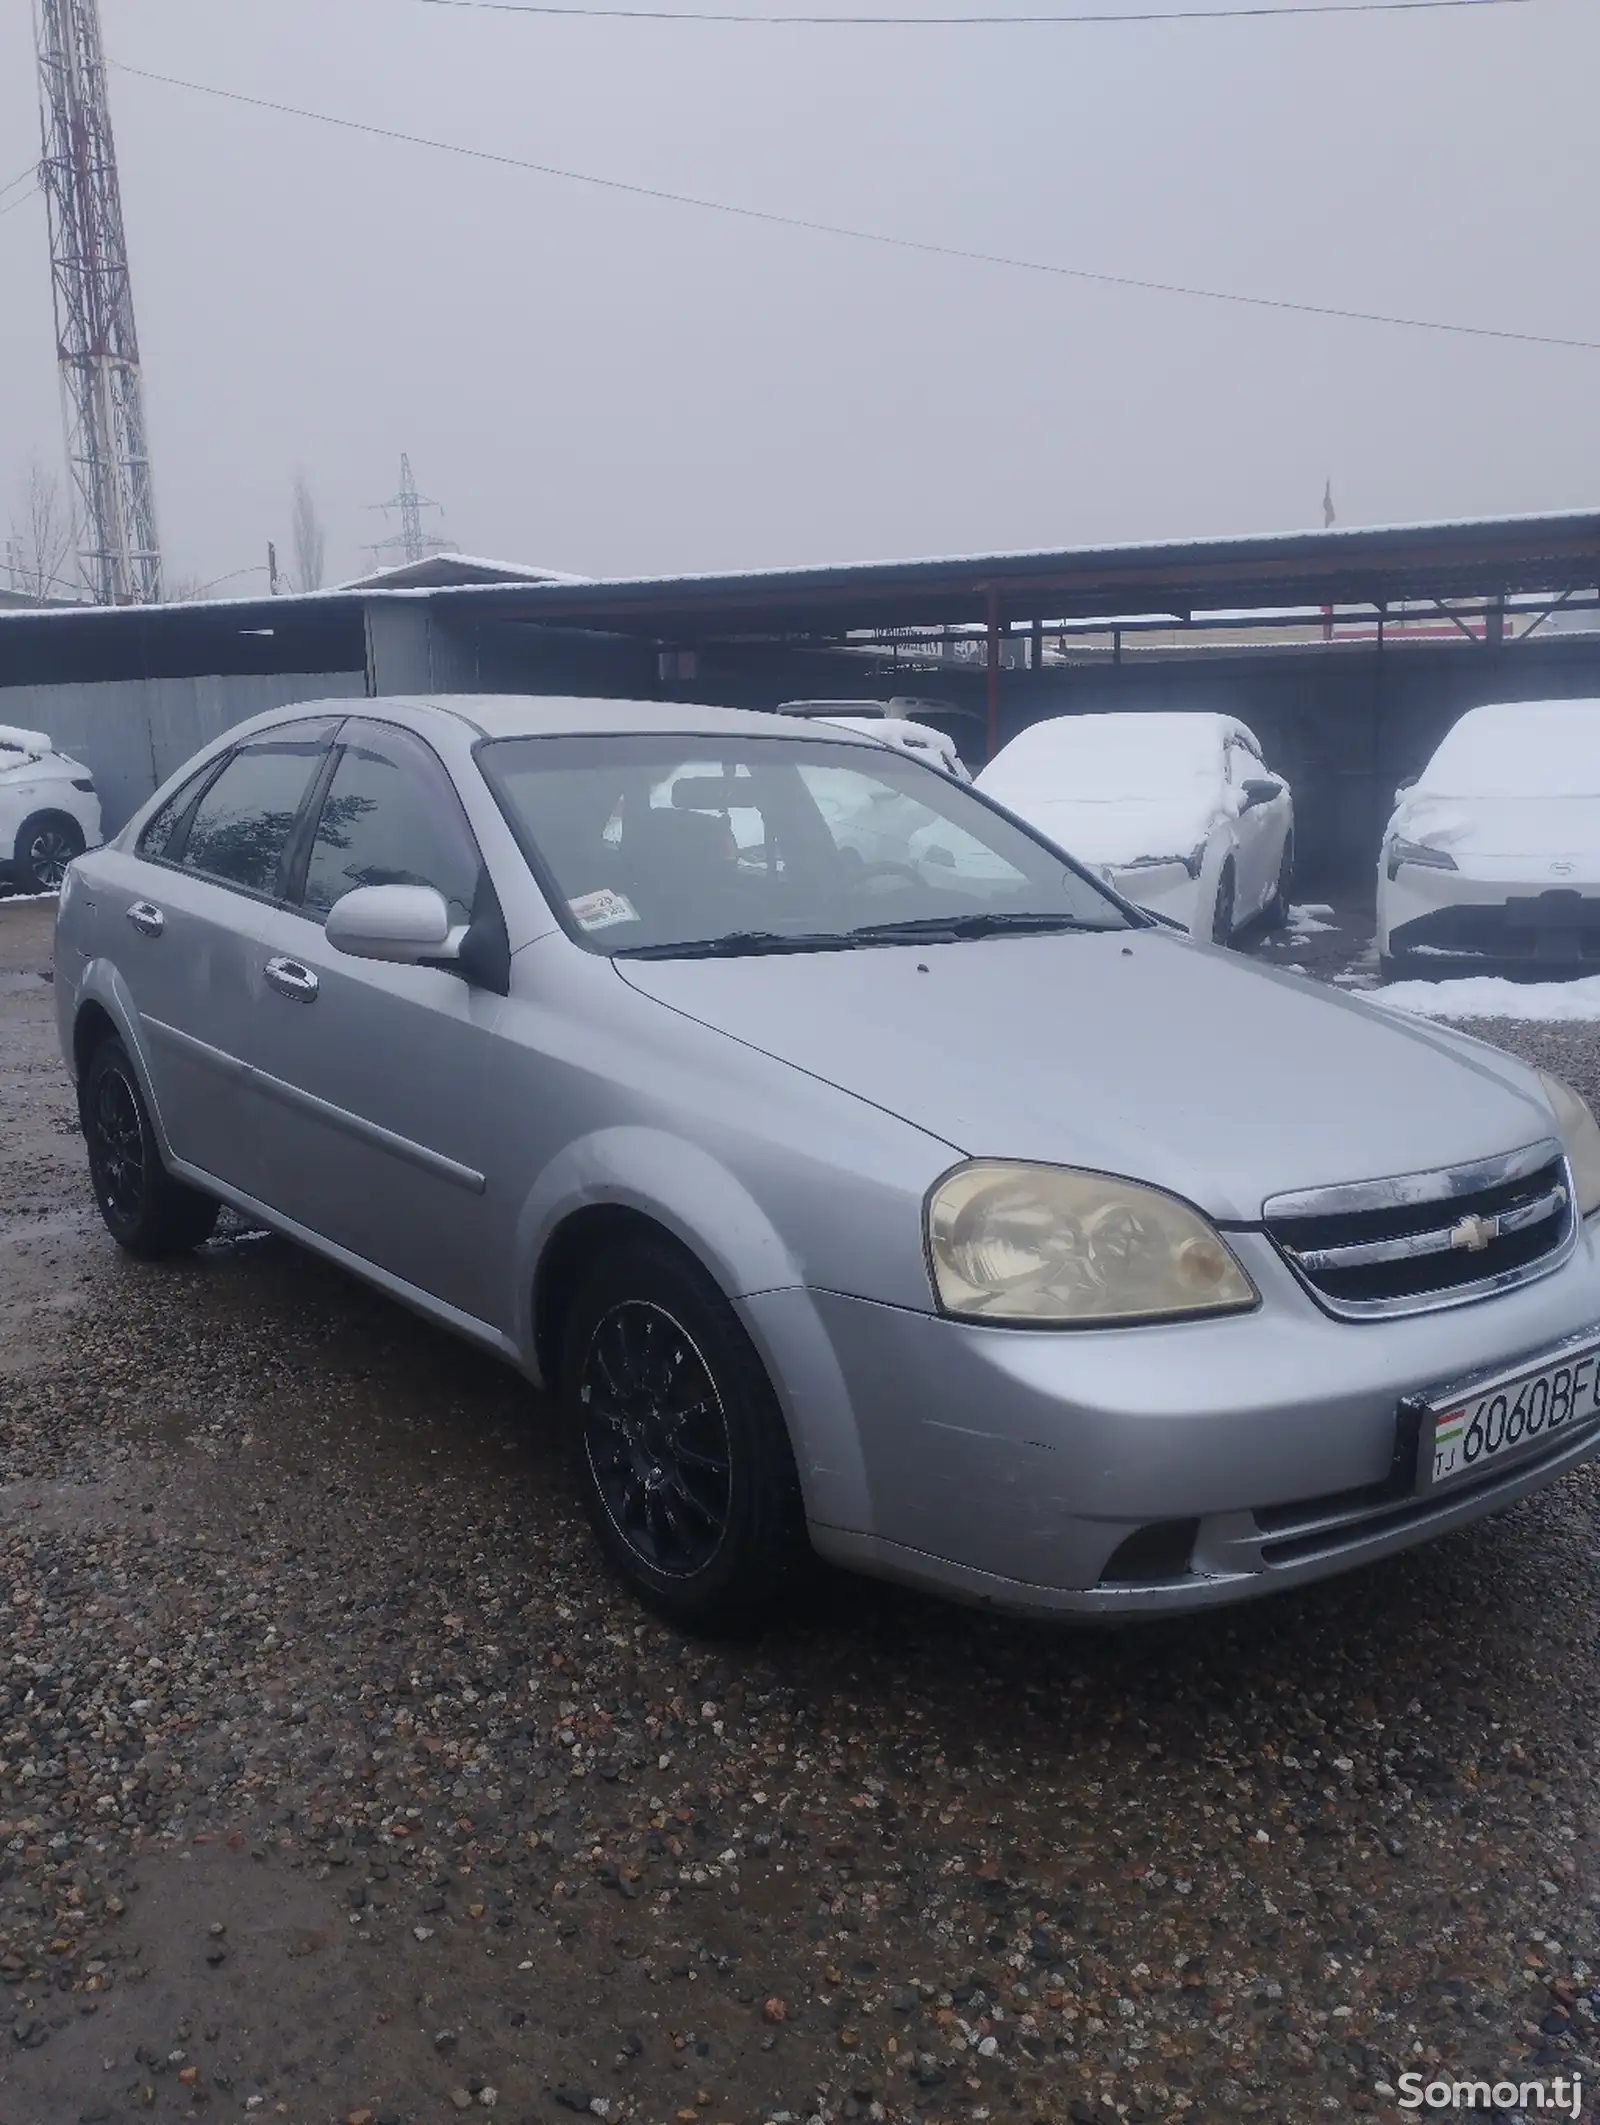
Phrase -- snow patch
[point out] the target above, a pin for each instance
(1303, 921)
(1486, 996)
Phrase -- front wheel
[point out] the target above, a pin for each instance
(683, 1456)
(1277, 908)
(145, 1210)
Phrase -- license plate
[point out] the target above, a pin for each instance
(1505, 1418)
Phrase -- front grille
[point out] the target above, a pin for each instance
(1423, 1240)
(1327, 1527)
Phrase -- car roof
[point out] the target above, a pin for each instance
(575, 715)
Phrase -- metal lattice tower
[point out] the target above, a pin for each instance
(114, 511)
(411, 542)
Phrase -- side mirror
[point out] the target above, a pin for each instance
(1407, 782)
(403, 924)
(1259, 792)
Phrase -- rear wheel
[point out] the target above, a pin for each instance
(683, 1456)
(145, 1209)
(1222, 914)
(46, 844)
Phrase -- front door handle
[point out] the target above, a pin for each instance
(291, 979)
(146, 918)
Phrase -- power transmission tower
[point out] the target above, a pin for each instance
(114, 507)
(411, 542)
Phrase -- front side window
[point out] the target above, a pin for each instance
(657, 843)
(240, 828)
(390, 817)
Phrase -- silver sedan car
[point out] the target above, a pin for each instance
(930, 1209)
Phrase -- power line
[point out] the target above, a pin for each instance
(11, 184)
(21, 200)
(1173, 14)
(877, 237)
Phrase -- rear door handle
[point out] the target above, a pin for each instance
(146, 918)
(291, 979)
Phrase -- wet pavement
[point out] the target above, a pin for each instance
(337, 1782)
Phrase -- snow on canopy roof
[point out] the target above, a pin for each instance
(1519, 749)
(446, 571)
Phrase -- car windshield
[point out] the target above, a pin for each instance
(673, 844)
(1540, 749)
(1100, 759)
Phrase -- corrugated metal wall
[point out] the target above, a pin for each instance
(132, 733)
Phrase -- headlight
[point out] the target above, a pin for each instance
(1580, 1139)
(1417, 852)
(1012, 1242)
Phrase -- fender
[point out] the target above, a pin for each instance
(101, 984)
(686, 1191)
(668, 1179)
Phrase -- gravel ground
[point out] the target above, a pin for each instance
(337, 1783)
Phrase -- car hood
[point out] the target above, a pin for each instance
(1118, 831)
(1134, 1052)
(1503, 826)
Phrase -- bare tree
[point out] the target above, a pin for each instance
(310, 540)
(41, 539)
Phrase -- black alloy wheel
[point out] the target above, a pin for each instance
(656, 1438)
(116, 1138)
(145, 1210)
(682, 1453)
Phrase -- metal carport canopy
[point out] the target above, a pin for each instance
(1386, 567)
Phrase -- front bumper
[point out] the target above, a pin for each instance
(1506, 914)
(1123, 1472)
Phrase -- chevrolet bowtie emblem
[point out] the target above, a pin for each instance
(1474, 1233)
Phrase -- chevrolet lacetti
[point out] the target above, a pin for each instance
(903, 1196)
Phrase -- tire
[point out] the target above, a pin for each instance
(46, 844)
(1277, 908)
(1222, 913)
(145, 1210)
(695, 1501)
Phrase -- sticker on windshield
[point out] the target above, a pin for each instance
(602, 910)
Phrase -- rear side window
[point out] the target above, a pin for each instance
(241, 826)
(160, 838)
(391, 817)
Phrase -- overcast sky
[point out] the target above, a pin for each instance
(593, 381)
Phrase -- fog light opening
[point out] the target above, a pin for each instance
(1152, 1555)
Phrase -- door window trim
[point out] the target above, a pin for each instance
(293, 874)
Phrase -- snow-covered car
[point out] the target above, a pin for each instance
(888, 721)
(1176, 810)
(1493, 853)
(49, 811)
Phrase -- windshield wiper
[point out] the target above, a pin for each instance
(934, 929)
(745, 944)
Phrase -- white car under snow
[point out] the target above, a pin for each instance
(49, 811)
(1492, 857)
(1177, 810)
(889, 722)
